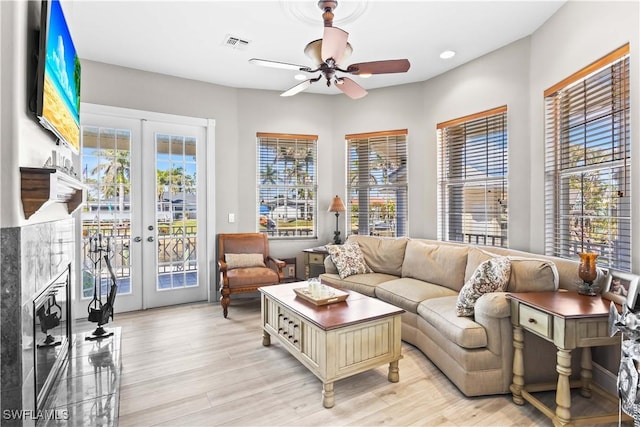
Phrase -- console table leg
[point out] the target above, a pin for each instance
(563, 392)
(328, 399)
(518, 366)
(586, 372)
(394, 372)
(266, 338)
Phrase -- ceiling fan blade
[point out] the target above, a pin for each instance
(334, 44)
(380, 67)
(350, 88)
(298, 88)
(276, 64)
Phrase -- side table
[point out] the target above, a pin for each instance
(568, 320)
(314, 261)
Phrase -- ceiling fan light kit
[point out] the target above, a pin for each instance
(328, 53)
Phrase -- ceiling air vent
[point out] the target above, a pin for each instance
(235, 42)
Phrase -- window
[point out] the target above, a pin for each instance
(472, 179)
(287, 201)
(377, 183)
(587, 163)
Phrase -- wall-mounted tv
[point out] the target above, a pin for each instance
(58, 77)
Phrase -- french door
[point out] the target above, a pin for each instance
(145, 210)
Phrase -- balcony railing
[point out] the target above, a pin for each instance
(177, 244)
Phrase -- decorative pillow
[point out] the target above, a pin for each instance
(348, 259)
(244, 260)
(490, 276)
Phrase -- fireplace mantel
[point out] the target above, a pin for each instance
(43, 186)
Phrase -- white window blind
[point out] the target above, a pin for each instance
(377, 183)
(287, 196)
(588, 158)
(472, 179)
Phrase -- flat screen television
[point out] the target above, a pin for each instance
(58, 77)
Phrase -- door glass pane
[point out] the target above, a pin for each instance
(176, 211)
(107, 213)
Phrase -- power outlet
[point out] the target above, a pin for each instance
(232, 218)
(292, 271)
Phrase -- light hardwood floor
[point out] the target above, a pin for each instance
(187, 365)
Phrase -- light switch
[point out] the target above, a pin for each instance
(232, 218)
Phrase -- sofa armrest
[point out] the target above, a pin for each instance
(329, 266)
(493, 304)
(493, 312)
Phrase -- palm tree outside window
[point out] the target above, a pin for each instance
(287, 186)
(588, 163)
(377, 184)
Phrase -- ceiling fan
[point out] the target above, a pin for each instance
(328, 53)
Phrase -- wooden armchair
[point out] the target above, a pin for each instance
(245, 265)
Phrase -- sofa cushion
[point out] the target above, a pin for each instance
(362, 283)
(407, 293)
(532, 275)
(528, 274)
(440, 264)
(348, 259)
(490, 276)
(383, 255)
(475, 257)
(441, 314)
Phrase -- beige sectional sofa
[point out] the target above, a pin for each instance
(424, 278)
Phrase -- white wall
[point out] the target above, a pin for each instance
(499, 78)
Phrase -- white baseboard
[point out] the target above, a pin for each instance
(605, 379)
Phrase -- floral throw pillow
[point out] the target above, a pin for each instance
(348, 259)
(490, 276)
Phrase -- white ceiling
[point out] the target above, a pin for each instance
(186, 38)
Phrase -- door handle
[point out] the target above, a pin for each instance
(150, 239)
(137, 239)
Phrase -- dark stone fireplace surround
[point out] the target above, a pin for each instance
(31, 257)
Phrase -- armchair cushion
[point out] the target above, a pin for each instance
(244, 260)
(251, 276)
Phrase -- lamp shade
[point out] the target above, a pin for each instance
(337, 205)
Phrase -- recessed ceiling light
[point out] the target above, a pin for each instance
(447, 54)
(365, 75)
(300, 77)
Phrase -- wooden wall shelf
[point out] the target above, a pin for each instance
(44, 186)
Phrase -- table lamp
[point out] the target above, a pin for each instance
(337, 206)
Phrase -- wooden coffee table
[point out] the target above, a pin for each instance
(333, 341)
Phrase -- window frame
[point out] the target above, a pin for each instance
(309, 212)
(385, 220)
(572, 227)
(457, 213)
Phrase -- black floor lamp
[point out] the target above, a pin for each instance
(337, 206)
